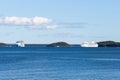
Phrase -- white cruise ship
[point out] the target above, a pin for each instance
(89, 44)
(20, 43)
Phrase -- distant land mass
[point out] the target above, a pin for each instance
(64, 44)
(108, 44)
(59, 44)
(3, 44)
(100, 44)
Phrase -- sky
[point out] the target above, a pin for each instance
(48, 21)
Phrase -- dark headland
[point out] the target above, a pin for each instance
(3, 44)
(108, 44)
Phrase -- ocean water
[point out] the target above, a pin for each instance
(59, 63)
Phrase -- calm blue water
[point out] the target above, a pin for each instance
(63, 63)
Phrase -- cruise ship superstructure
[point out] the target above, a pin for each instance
(20, 43)
(89, 44)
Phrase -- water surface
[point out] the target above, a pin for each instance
(59, 63)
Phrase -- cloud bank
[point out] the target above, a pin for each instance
(35, 22)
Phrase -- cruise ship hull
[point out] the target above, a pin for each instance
(91, 44)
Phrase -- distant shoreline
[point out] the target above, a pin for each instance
(100, 44)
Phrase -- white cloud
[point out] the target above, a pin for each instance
(35, 22)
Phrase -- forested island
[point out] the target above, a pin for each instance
(58, 44)
(3, 44)
(108, 44)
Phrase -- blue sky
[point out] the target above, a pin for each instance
(47, 21)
